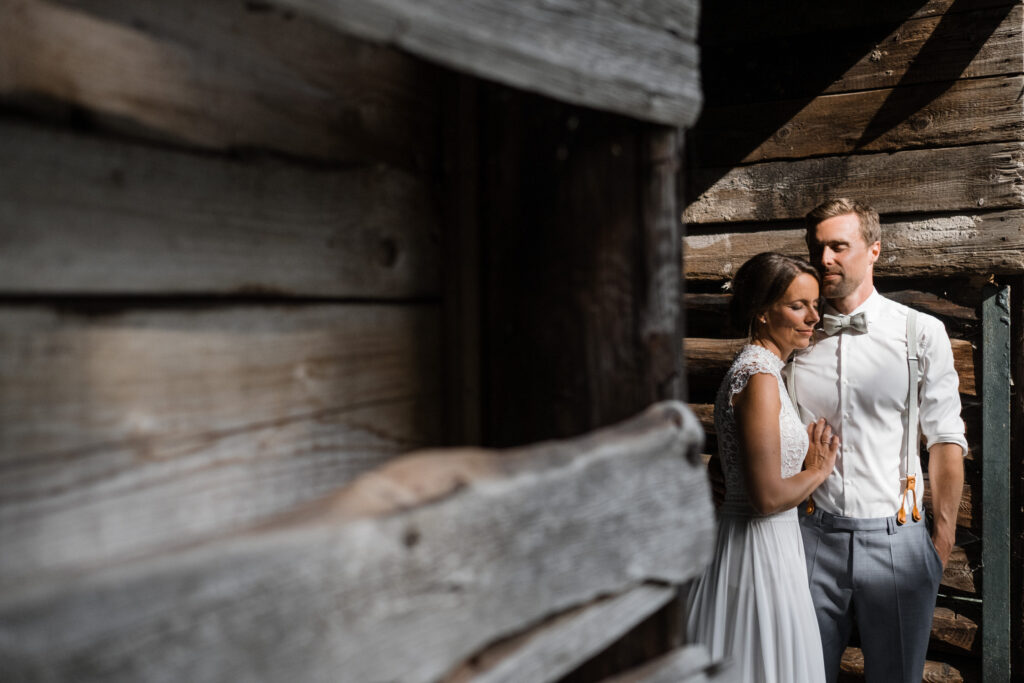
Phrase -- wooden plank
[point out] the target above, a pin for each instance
(997, 511)
(223, 75)
(954, 632)
(959, 574)
(974, 111)
(688, 664)
(554, 649)
(851, 669)
(129, 432)
(933, 180)
(714, 356)
(95, 216)
(400, 576)
(638, 59)
(746, 20)
(922, 246)
(937, 50)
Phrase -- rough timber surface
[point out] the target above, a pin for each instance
(972, 178)
(548, 653)
(851, 669)
(688, 664)
(934, 50)
(90, 215)
(912, 246)
(131, 432)
(745, 20)
(638, 59)
(220, 74)
(399, 576)
(969, 112)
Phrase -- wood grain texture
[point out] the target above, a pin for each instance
(954, 632)
(399, 576)
(959, 573)
(714, 356)
(936, 50)
(552, 650)
(967, 112)
(747, 20)
(919, 246)
(638, 59)
(129, 432)
(223, 75)
(948, 179)
(89, 215)
(851, 669)
(688, 664)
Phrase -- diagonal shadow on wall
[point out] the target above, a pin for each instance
(768, 61)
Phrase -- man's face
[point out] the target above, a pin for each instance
(839, 252)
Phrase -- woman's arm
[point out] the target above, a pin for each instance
(757, 409)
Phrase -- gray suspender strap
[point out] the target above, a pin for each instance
(911, 391)
(907, 478)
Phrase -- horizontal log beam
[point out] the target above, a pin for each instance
(636, 59)
(89, 215)
(923, 246)
(966, 112)
(954, 632)
(401, 575)
(747, 20)
(688, 664)
(554, 649)
(948, 179)
(714, 356)
(131, 432)
(937, 49)
(852, 669)
(221, 76)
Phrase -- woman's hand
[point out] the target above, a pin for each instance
(822, 449)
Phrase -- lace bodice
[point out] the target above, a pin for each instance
(749, 361)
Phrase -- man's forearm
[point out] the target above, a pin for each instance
(946, 479)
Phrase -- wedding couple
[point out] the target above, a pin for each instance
(822, 526)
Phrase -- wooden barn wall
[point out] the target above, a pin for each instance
(915, 108)
(220, 271)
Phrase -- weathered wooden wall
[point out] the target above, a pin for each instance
(541, 557)
(220, 272)
(913, 107)
(252, 251)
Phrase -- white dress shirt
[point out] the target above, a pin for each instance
(859, 383)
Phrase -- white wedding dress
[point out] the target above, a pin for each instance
(752, 606)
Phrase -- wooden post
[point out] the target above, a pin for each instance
(996, 486)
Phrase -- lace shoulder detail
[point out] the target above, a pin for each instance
(750, 361)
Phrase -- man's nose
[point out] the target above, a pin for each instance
(827, 256)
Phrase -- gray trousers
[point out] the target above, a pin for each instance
(882, 576)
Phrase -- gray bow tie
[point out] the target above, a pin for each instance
(836, 323)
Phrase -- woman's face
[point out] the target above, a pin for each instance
(790, 321)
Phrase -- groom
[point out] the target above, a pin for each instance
(870, 558)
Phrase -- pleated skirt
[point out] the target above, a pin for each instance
(753, 606)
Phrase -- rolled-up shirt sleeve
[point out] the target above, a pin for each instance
(939, 389)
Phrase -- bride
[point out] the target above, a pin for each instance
(753, 606)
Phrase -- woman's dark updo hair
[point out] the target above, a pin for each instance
(759, 283)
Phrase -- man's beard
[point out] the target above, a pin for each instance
(837, 290)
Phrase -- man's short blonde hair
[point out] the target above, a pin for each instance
(870, 225)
